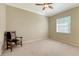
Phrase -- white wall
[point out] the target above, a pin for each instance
(27, 24)
(2, 24)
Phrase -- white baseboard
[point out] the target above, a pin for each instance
(33, 40)
(68, 42)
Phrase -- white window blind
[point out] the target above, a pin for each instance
(63, 24)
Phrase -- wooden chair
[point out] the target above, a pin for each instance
(12, 40)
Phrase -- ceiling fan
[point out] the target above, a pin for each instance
(45, 5)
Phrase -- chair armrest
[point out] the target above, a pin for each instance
(19, 37)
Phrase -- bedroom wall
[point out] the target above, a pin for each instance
(27, 24)
(71, 38)
(2, 24)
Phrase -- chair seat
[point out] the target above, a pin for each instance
(15, 40)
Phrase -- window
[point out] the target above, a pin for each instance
(63, 24)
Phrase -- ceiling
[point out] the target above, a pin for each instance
(57, 8)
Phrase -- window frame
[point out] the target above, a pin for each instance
(68, 24)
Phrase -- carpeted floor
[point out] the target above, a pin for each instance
(43, 48)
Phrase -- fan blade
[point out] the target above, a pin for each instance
(51, 7)
(49, 3)
(43, 8)
(39, 4)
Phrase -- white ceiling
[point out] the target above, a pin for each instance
(57, 8)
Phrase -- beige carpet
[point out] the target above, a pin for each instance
(43, 48)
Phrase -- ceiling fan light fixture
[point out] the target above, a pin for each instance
(46, 5)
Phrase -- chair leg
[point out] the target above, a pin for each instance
(7, 46)
(11, 47)
(21, 43)
(16, 43)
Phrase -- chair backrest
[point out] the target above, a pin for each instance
(11, 35)
(8, 35)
